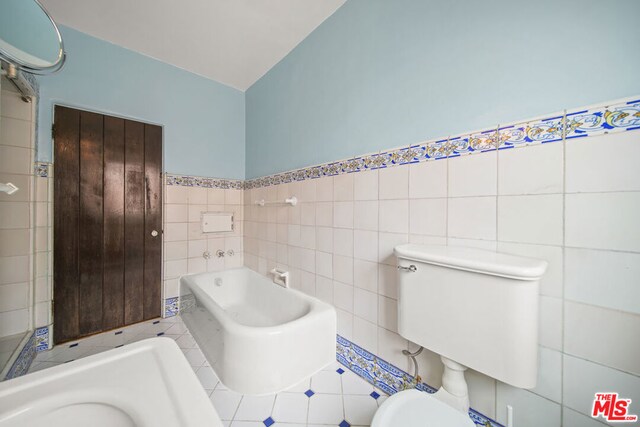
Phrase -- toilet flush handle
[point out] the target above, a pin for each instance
(411, 269)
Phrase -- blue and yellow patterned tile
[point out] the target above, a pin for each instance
(596, 121)
(484, 141)
(419, 152)
(388, 377)
(436, 150)
(171, 306)
(545, 130)
(375, 161)
(409, 155)
(21, 365)
(42, 341)
(385, 158)
(513, 136)
(41, 169)
(459, 146)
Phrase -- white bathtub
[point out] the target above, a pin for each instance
(144, 384)
(258, 337)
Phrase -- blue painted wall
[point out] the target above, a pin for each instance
(204, 121)
(380, 73)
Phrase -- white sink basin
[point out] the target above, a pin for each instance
(148, 383)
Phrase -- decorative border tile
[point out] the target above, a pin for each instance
(621, 116)
(171, 306)
(387, 377)
(597, 121)
(43, 338)
(23, 362)
(198, 181)
(41, 169)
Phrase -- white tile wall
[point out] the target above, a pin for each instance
(531, 170)
(603, 336)
(603, 221)
(582, 379)
(563, 202)
(472, 218)
(19, 237)
(473, 175)
(603, 278)
(184, 242)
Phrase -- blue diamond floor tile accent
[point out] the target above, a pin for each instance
(374, 395)
(344, 423)
(73, 345)
(119, 345)
(118, 333)
(269, 422)
(340, 371)
(309, 393)
(160, 334)
(156, 322)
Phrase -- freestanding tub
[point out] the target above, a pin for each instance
(258, 337)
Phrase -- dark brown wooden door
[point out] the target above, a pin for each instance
(107, 223)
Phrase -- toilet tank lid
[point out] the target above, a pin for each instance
(476, 260)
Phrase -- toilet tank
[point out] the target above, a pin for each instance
(476, 307)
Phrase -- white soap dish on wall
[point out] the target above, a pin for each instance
(280, 277)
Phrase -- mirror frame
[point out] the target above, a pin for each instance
(30, 68)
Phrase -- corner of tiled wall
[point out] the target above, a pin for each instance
(565, 189)
(43, 316)
(184, 242)
(17, 235)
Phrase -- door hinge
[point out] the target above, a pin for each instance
(53, 131)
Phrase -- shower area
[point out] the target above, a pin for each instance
(25, 283)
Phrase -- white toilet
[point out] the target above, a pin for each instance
(475, 308)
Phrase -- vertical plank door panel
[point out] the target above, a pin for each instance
(113, 289)
(107, 202)
(90, 258)
(152, 221)
(134, 222)
(65, 223)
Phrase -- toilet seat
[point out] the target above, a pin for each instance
(413, 408)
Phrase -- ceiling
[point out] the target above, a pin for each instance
(234, 42)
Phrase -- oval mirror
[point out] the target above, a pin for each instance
(29, 38)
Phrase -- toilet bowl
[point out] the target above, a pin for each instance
(413, 408)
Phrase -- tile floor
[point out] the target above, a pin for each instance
(334, 396)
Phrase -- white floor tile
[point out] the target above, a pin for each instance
(359, 410)
(326, 382)
(194, 356)
(333, 366)
(291, 408)
(186, 341)
(207, 377)
(226, 403)
(38, 366)
(301, 387)
(255, 408)
(353, 384)
(155, 327)
(326, 409)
